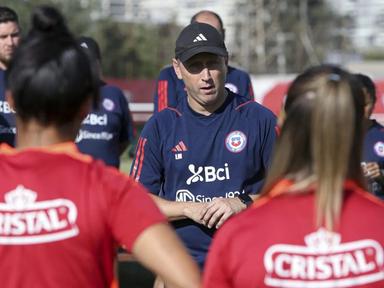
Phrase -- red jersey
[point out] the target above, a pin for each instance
(275, 244)
(61, 216)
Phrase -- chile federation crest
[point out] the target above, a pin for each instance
(236, 141)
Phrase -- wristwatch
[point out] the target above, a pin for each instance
(246, 199)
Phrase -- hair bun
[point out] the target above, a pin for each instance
(47, 19)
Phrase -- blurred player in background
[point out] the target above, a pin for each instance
(107, 130)
(9, 39)
(373, 153)
(170, 89)
(62, 213)
(314, 225)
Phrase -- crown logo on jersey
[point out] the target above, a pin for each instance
(322, 240)
(20, 198)
(199, 38)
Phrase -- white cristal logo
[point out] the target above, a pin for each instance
(324, 262)
(25, 221)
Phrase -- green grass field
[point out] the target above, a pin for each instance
(125, 164)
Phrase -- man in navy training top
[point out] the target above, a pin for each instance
(108, 129)
(373, 153)
(9, 39)
(202, 159)
(169, 89)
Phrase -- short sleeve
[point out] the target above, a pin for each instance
(147, 165)
(131, 210)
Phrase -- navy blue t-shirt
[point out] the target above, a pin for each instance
(170, 89)
(104, 129)
(7, 116)
(185, 156)
(374, 152)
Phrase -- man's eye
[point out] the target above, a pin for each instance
(195, 67)
(213, 64)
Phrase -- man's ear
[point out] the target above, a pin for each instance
(176, 67)
(9, 99)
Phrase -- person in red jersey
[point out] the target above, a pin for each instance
(62, 213)
(315, 225)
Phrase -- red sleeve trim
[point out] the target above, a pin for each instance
(175, 110)
(138, 164)
(162, 91)
(243, 104)
(142, 152)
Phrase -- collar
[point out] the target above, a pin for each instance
(68, 148)
(284, 187)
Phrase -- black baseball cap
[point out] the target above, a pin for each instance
(90, 46)
(198, 38)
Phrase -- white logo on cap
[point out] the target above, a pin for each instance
(199, 38)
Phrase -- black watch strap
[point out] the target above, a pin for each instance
(246, 199)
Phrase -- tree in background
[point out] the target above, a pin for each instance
(286, 36)
(130, 50)
(274, 36)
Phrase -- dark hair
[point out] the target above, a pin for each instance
(194, 17)
(368, 84)
(49, 76)
(8, 15)
(91, 47)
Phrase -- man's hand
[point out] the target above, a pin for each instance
(194, 211)
(219, 210)
(372, 170)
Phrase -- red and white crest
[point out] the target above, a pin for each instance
(236, 141)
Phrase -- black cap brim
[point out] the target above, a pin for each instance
(201, 49)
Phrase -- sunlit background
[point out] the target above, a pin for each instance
(271, 39)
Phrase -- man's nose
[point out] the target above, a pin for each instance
(9, 40)
(206, 74)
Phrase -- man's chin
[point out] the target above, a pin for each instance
(4, 61)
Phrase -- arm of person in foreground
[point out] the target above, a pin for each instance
(159, 249)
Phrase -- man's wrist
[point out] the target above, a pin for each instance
(245, 199)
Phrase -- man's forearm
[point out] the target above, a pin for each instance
(172, 209)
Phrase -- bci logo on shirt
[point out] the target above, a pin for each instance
(94, 119)
(207, 174)
(5, 108)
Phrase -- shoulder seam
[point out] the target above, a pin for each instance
(243, 104)
(175, 110)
